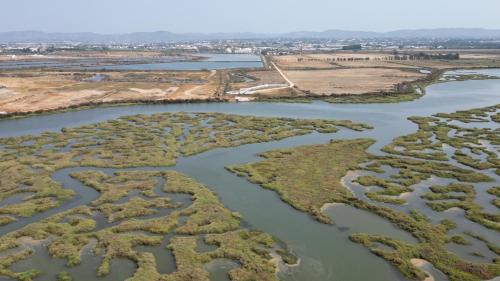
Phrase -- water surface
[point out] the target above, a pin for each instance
(325, 251)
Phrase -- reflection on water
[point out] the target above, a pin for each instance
(208, 61)
(120, 268)
(213, 61)
(354, 220)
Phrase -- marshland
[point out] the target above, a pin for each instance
(161, 190)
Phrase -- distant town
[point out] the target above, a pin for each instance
(256, 46)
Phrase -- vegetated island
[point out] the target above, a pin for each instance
(308, 177)
(136, 200)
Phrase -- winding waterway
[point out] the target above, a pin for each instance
(324, 250)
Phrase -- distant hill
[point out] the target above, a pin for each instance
(165, 36)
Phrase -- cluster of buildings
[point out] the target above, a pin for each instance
(251, 46)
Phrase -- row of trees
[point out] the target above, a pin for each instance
(419, 56)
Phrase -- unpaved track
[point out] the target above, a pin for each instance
(290, 83)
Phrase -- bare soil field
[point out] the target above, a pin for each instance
(453, 64)
(374, 63)
(302, 62)
(34, 91)
(250, 79)
(468, 58)
(351, 81)
(351, 55)
(266, 77)
(374, 72)
(464, 53)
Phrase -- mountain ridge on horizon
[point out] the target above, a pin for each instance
(33, 36)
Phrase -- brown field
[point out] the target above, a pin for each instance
(330, 61)
(32, 91)
(302, 62)
(486, 53)
(350, 81)
(262, 77)
(364, 55)
(453, 64)
(469, 58)
(374, 63)
(479, 56)
(266, 77)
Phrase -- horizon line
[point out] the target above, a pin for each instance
(257, 32)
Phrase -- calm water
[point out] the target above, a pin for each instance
(212, 61)
(325, 250)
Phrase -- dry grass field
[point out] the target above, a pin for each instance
(468, 59)
(371, 72)
(266, 77)
(384, 64)
(33, 91)
(454, 64)
(302, 62)
(350, 81)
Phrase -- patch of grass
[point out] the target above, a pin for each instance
(440, 199)
(460, 240)
(308, 177)
(493, 247)
(68, 233)
(133, 141)
(373, 98)
(64, 276)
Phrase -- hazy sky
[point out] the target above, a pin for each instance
(119, 16)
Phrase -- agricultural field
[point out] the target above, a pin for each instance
(448, 170)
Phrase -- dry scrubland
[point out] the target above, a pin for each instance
(41, 90)
(445, 147)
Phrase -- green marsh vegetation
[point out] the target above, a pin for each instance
(155, 140)
(292, 172)
(445, 146)
(134, 212)
(68, 233)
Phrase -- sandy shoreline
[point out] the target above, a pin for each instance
(328, 205)
(420, 263)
